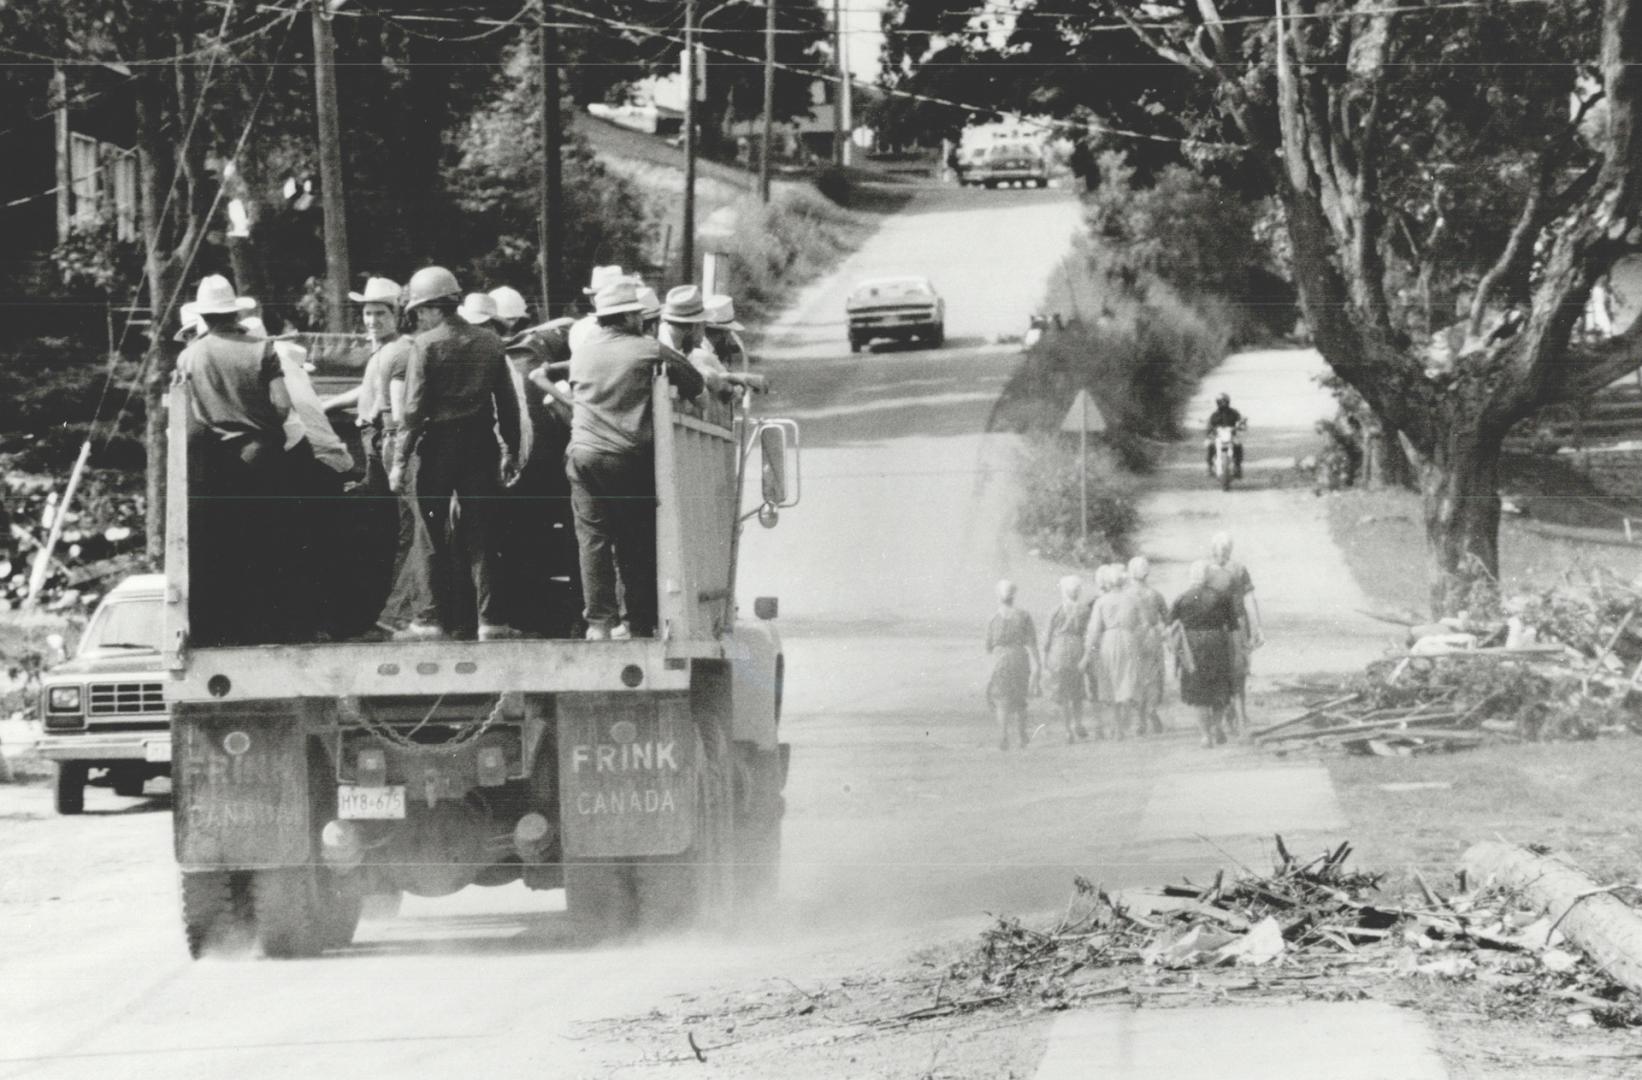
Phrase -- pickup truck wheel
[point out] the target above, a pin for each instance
(71, 786)
(938, 337)
(128, 783)
(855, 344)
(289, 918)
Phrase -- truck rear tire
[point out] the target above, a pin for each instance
(209, 917)
(290, 921)
(341, 907)
(599, 898)
(71, 786)
(759, 810)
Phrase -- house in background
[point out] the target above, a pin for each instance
(70, 165)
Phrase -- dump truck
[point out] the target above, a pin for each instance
(643, 777)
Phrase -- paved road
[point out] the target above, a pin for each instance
(905, 822)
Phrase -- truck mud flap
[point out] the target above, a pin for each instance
(627, 775)
(241, 788)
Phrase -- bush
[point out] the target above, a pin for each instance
(1197, 237)
(774, 246)
(1141, 360)
(1051, 503)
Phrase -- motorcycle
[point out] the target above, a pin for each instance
(1225, 454)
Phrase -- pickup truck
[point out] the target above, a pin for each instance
(899, 308)
(104, 711)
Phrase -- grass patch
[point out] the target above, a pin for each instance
(1566, 795)
(1383, 538)
(777, 247)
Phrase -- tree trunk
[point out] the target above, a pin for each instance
(1460, 492)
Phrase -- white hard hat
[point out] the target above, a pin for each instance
(510, 305)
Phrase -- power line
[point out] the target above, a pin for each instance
(40, 59)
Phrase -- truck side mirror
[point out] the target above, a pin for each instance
(772, 446)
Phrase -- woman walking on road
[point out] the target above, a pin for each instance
(1116, 642)
(1202, 622)
(1012, 643)
(1063, 656)
(1150, 698)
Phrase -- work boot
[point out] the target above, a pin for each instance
(621, 632)
(499, 632)
(598, 633)
(418, 630)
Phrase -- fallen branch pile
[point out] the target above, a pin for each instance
(1565, 663)
(1312, 929)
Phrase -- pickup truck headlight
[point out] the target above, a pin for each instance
(63, 699)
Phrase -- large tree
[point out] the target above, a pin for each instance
(1454, 180)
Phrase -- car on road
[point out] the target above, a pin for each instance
(103, 711)
(1007, 164)
(895, 308)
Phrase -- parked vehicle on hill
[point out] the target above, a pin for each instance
(897, 309)
(103, 712)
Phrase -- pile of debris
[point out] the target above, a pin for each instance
(102, 539)
(1562, 664)
(1308, 930)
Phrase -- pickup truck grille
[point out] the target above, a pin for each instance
(126, 698)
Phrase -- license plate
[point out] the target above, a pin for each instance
(159, 751)
(370, 803)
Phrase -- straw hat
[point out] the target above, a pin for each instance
(477, 307)
(378, 290)
(216, 296)
(684, 305)
(721, 313)
(192, 323)
(617, 297)
(510, 305)
(602, 276)
(650, 302)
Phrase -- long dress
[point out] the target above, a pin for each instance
(1208, 619)
(1152, 676)
(1063, 652)
(1008, 636)
(1119, 627)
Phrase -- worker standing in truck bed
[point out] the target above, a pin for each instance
(611, 459)
(458, 396)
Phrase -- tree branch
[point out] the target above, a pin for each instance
(1517, 248)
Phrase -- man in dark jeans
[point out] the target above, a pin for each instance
(240, 532)
(611, 459)
(458, 395)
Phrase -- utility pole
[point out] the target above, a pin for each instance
(550, 229)
(769, 102)
(330, 172)
(846, 93)
(838, 91)
(65, 176)
(687, 237)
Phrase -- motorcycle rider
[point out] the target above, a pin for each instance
(1226, 416)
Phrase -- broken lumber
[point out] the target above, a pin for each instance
(1605, 927)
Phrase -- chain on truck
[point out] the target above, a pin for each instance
(643, 777)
